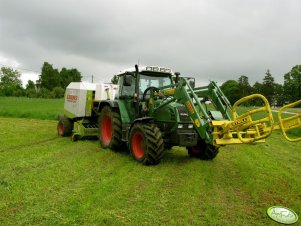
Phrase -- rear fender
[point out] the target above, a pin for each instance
(141, 120)
(111, 103)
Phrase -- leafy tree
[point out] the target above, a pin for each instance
(292, 84)
(57, 92)
(231, 89)
(258, 88)
(69, 75)
(30, 90)
(30, 85)
(31, 93)
(44, 93)
(268, 87)
(52, 77)
(279, 95)
(49, 77)
(244, 86)
(10, 81)
(18, 92)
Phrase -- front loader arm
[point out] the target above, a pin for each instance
(195, 109)
(252, 126)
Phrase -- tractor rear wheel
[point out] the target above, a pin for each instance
(64, 126)
(203, 151)
(146, 143)
(110, 128)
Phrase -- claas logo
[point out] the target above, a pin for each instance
(188, 105)
(71, 98)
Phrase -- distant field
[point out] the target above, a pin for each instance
(21, 107)
(293, 110)
(47, 180)
(263, 114)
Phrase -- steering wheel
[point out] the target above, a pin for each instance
(149, 89)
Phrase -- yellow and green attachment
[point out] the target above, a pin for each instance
(249, 127)
(291, 123)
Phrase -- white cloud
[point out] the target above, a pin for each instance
(4, 61)
(29, 76)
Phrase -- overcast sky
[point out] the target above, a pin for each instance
(211, 40)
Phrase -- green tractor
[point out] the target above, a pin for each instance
(151, 110)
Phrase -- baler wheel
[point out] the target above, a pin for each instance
(203, 151)
(146, 143)
(110, 128)
(64, 127)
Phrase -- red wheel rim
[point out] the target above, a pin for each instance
(61, 129)
(106, 130)
(137, 141)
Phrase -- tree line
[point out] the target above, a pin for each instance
(277, 94)
(51, 84)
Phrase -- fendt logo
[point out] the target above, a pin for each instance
(72, 98)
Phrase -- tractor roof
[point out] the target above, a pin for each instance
(155, 69)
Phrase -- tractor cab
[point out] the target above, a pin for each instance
(135, 86)
(133, 82)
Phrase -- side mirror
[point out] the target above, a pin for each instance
(177, 77)
(127, 80)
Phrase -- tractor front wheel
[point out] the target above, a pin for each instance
(64, 126)
(110, 128)
(203, 151)
(146, 143)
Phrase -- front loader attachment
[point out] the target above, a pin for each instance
(249, 127)
(260, 119)
(291, 123)
(225, 124)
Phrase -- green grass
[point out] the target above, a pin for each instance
(52, 181)
(293, 110)
(22, 107)
(293, 133)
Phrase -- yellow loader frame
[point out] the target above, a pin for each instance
(245, 129)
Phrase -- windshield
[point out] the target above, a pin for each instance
(155, 81)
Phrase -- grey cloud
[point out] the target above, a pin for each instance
(217, 40)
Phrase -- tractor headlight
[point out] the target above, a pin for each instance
(190, 126)
(180, 126)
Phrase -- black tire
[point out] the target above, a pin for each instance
(64, 126)
(168, 146)
(203, 151)
(146, 143)
(110, 129)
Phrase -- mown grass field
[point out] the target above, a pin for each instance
(47, 180)
(22, 107)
